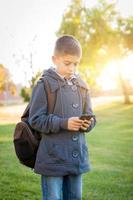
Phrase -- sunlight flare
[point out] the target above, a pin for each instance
(108, 78)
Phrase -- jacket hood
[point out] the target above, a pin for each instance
(56, 81)
(52, 74)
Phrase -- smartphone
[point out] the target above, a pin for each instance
(87, 117)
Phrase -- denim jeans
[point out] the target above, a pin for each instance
(62, 188)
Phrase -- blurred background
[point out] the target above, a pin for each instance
(28, 31)
(30, 28)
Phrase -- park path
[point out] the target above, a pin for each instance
(12, 113)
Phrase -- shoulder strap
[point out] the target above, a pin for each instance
(82, 91)
(51, 97)
(25, 114)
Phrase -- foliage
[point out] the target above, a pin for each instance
(92, 28)
(125, 27)
(99, 29)
(102, 32)
(26, 91)
(34, 79)
(111, 151)
(4, 75)
(6, 83)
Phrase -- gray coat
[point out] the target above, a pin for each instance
(61, 152)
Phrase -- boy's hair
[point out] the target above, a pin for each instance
(67, 44)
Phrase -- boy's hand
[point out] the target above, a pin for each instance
(74, 123)
(86, 124)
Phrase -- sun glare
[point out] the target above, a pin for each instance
(108, 79)
(109, 76)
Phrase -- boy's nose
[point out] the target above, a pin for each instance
(72, 66)
(71, 69)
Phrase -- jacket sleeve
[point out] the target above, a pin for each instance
(88, 111)
(39, 119)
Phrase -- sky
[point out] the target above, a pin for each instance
(29, 26)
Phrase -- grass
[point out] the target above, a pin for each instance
(16, 182)
(111, 151)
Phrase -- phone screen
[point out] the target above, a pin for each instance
(87, 117)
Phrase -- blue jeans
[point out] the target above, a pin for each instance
(62, 188)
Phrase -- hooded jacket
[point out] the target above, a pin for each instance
(61, 151)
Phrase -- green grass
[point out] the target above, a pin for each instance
(111, 153)
(16, 181)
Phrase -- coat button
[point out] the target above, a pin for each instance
(75, 137)
(74, 87)
(75, 105)
(75, 154)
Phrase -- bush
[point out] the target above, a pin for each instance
(26, 93)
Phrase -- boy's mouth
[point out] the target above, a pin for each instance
(69, 74)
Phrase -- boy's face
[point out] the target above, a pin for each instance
(66, 64)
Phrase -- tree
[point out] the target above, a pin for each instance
(6, 84)
(4, 77)
(28, 70)
(26, 91)
(31, 80)
(100, 29)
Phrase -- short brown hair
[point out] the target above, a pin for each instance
(67, 44)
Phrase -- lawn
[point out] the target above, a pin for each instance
(111, 153)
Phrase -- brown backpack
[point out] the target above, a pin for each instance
(26, 140)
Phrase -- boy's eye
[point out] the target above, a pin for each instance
(75, 64)
(67, 63)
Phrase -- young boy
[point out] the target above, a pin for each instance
(62, 156)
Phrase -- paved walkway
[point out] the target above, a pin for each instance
(12, 113)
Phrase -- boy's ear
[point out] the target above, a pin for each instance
(54, 59)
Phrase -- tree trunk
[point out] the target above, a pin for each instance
(124, 87)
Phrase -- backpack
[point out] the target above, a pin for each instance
(26, 140)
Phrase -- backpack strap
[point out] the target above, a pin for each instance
(51, 96)
(25, 114)
(82, 91)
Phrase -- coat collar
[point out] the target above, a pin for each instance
(56, 81)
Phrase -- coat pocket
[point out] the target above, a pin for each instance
(58, 153)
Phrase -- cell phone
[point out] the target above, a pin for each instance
(87, 117)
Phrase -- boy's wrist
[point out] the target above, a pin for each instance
(64, 123)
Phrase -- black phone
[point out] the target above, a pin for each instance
(87, 117)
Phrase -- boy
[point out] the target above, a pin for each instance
(62, 156)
